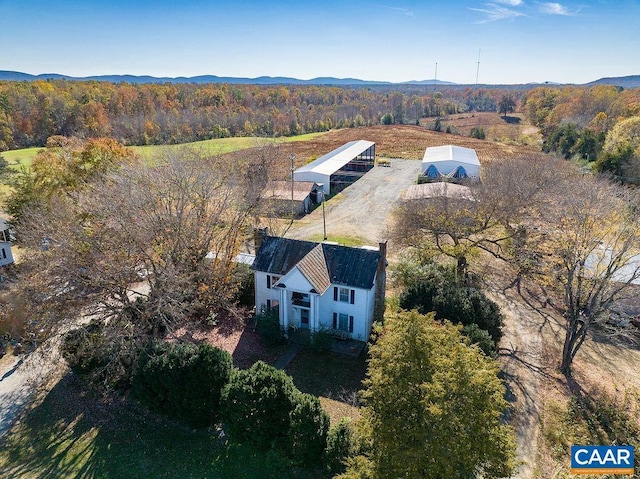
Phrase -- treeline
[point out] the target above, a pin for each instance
(599, 125)
(140, 114)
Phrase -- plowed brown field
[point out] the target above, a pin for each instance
(392, 141)
(403, 141)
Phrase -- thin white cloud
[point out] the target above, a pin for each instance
(552, 8)
(511, 3)
(494, 13)
(403, 11)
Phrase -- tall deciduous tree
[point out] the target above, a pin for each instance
(177, 225)
(433, 406)
(592, 243)
(507, 105)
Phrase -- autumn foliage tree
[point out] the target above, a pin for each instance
(65, 166)
(432, 406)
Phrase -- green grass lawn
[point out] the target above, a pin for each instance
(353, 241)
(75, 433)
(221, 146)
(213, 147)
(20, 157)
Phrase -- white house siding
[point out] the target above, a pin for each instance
(361, 310)
(290, 314)
(6, 257)
(264, 294)
(321, 307)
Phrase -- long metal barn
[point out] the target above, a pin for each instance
(340, 168)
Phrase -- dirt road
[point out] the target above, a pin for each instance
(361, 210)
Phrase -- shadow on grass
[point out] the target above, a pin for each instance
(75, 433)
(327, 374)
(252, 348)
(512, 120)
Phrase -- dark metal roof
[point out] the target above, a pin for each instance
(347, 266)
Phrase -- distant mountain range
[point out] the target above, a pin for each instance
(263, 80)
(632, 81)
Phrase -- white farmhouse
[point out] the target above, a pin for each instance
(450, 161)
(320, 286)
(6, 256)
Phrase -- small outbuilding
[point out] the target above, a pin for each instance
(450, 161)
(286, 197)
(340, 168)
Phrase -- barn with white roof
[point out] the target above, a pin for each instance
(450, 161)
(340, 168)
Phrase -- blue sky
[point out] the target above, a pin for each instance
(516, 41)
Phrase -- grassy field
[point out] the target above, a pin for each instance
(74, 433)
(221, 146)
(20, 157)
(218, 146)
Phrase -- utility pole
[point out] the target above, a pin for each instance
(292, 157)
(435, 78)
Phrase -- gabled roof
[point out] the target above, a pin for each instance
(281, 190)
(314, 267)
(333, 161)
(347, 266)
(436, 154)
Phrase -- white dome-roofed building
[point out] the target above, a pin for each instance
(450, 161)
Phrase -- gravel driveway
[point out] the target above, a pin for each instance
(362, 210)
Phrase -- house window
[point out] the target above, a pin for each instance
(271, 280)
(272, 304)
(4, 254)
(300, 299)
(343, 322)
(344, 295)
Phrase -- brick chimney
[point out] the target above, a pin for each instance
(259, 234)
(381, 283)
